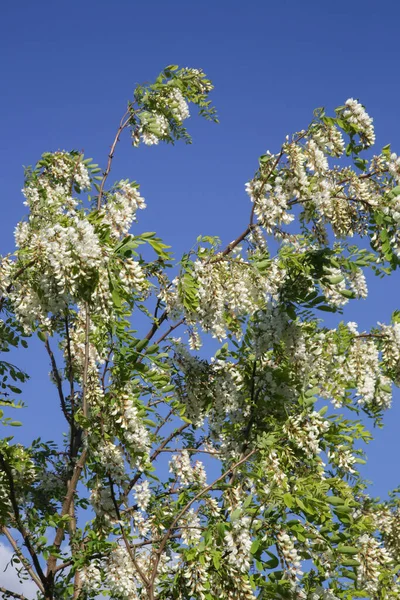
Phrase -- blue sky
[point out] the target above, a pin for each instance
(68, 68)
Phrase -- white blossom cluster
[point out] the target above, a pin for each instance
(270, 203)
(238, 543)
(356, 114)
(62, 246)
(178, 105)
(142, 494)
(190, 527)
(102, 502)
(233, 287)
(91, 578)
(394, 167)
(290, 555)
(121, 207)
(133, 431)
(120, 575)
(181, 466)
(373, 557)
(343, 458)
(111, 459)
(305, 432)
(330, 140)
(196, 576)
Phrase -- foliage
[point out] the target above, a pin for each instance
(261, 496)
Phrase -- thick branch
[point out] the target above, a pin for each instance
(51, 563)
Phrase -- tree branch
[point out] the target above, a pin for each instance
(22, 558)
(10, 594)
(123, 123)
(18, 520)
(57, 380)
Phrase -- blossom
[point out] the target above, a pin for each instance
(355, 114)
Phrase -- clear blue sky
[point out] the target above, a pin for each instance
(67, 69)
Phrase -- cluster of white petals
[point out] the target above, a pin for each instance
(356, 114)
(120, 210)
(238, 543)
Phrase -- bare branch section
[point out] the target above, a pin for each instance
(123, 124)
(57, 379)
(9, 594)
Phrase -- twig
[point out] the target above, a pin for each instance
(86, 363)
(22, 558)
(122, 125)
(10, 594)
(57, 380)
(124, 537)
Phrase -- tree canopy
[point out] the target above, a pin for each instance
(186, 477)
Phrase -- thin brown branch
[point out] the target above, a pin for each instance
(86, 363)
(168, 439)
(57, 379)
(27, 565)
(123, 124)
(124, 536)
(170, 330)
(10, 594)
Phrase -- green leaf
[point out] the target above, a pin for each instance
(347, 549)
(288, 500)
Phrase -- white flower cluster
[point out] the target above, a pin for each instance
(316, 159)
(120, 575)
(190, 527)
(373, 557)
(305, 431)
(111, 459)
(196, 576)
(102, 503)
(180, 465)
(290, 555)
(274, 473)
(394, 167)
(121, 207)
(238, 543)
(134, 432)
(91, 578)
(270, 202)
(356, 114)
(234, 287)
(391, 349)
(330, 140)
(343, 458)
(154, 127)
(142, 494)
(178, 105)
(323, 594)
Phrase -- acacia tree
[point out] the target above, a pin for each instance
(182, 477)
